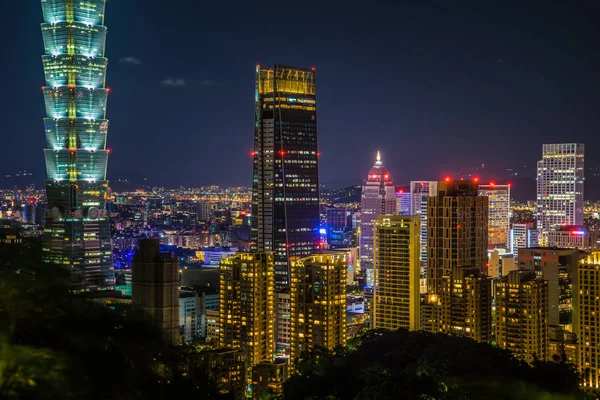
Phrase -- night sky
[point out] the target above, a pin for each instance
(437, 88)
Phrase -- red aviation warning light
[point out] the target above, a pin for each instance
(476, 179)
(447, 179)
(253, 153)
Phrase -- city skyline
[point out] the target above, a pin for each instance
(287, 288)
(478, 84)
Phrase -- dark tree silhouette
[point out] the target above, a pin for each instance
(418, 365)
(56, 345)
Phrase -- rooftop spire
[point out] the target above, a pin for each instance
(378, 158)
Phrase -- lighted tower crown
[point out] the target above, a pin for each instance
(378, 197)
(77, 229)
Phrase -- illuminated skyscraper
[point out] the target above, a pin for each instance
(459, 291)
(247, 307)
(464, 305)
(560, 178)
(396, 264)
(499, 213)
(378, 197)
(77, 232)
(457, 224)
(522, 315)
(419, 193)
(285, 184)
(587, 324)
(318, 303)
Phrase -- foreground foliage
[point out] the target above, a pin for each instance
(417, 365)
(55, 345)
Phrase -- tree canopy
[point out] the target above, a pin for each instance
(418, 365)
(56, 345)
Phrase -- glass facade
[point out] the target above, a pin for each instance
(77, 234)
(560, 177)
(378, 197)
(285, 187)
(499, 214)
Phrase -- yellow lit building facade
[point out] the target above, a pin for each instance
(396, 302)
(459, 292)
(587, 321)
(246, 312)
(318, 303)
(464, 305)
(499, 213)
(522, 315)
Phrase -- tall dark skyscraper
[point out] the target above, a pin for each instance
(457, 224)
(77, 232)
(459, 291)
(285, 184)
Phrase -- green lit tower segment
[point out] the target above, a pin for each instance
(77, 233)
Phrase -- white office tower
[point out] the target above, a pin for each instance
(378, 197)
(419, 192)
(522, 235)
(560, 178)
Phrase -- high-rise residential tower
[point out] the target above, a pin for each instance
(463, 306)
(378, 197)
(587, 324)
(285, 183)
(459, 290)
(318, 303)
(560, 176)
(77, 232)
(247, 307)
(499, 213)
(457, 225)
(396, 265)
(522, 315)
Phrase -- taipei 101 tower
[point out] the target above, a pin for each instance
(77, 235)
